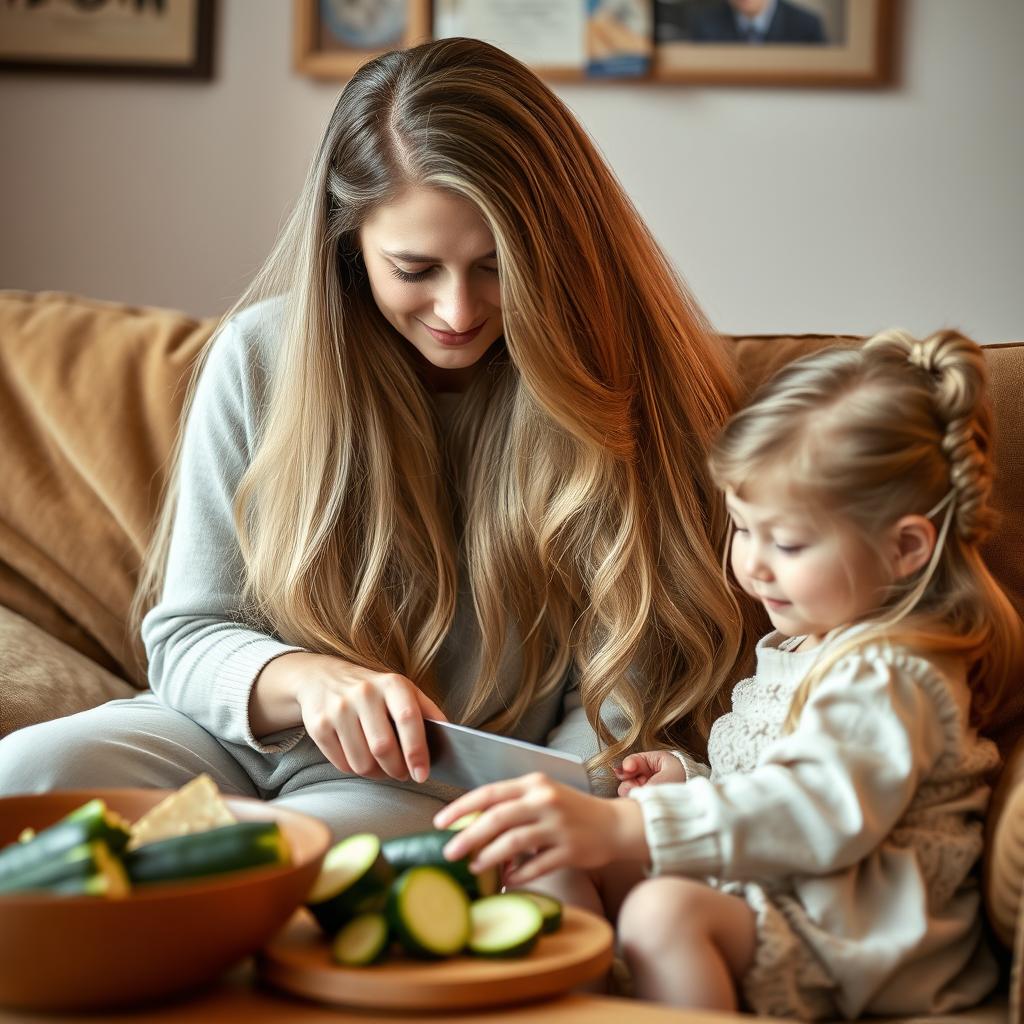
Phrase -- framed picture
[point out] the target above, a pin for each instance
(146, 37)
(333, 37)
(562, 40)
(774, 42)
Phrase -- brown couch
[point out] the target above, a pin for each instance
(90, 394)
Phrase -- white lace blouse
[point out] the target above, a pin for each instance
(863, 824)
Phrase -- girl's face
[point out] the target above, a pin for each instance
(433, 272)
(810, 576)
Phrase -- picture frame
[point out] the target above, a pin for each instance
(562, 40)
(600, 40)
(857, 49)
(172, 38)
(332, 39)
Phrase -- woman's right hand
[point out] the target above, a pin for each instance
(365, 722)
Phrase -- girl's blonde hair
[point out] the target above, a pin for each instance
(581, 502)
(866, 436)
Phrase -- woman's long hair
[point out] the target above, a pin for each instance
(580, 496)
(867, 436)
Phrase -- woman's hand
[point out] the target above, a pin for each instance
(365, 722)
(649, 769)
(540, 825)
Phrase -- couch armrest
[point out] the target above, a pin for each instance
(42, 678)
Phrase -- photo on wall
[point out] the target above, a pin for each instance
(169, 38)
(774, 42)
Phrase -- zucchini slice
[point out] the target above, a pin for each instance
(426, 848)
(550, 908)
(364, 940)
(93, 820)
(246, 844)
(504, 925)
(353, 880)
(429, 912)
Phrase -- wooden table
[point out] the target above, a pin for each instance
(239, 1000)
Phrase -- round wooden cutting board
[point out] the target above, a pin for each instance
(299, 961)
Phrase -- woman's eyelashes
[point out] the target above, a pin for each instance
(405, 275)
(412, 276)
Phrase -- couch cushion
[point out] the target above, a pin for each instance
(90, 394)
(42, 678)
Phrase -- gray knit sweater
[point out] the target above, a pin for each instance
(204, 658)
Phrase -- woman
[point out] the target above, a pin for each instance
(446, 457)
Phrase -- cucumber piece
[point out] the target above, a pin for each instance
(353, 880)
(460, 823)
(426, 848)
(550, 908)
(364, 940)
(506, 925)
(78, 863)
(429, 912)
(109, 880)
(93, 820)
(246, 844)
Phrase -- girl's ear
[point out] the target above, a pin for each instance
(913, 541)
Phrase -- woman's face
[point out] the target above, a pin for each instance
(433, 272)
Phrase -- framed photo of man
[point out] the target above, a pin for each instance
(774, 42)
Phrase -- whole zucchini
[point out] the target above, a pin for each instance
(246, 844)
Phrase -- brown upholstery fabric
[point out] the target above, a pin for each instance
(41, 678)
(90, 394)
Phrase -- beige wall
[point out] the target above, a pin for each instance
(798, 210)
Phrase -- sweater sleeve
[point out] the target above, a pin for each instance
(822, 796)
(203, 659)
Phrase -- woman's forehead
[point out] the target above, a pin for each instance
(431, 223)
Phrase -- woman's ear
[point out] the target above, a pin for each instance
(912, 543)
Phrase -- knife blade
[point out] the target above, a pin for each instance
(464, 757)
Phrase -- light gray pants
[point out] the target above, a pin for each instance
(142, 743)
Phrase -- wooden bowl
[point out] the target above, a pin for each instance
(86, 953)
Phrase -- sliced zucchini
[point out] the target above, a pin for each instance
(109, 880)
(550, 908)
(505, 925)
(78, 863)
(246, 844)
(427, 848)
(364, 940)
(429, 912)
(353, 880)
(93, 820)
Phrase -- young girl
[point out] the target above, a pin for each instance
(415, 478)
(824, 866)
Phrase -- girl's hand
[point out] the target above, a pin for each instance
(649, 768)
(540, 825)
(366, 723)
